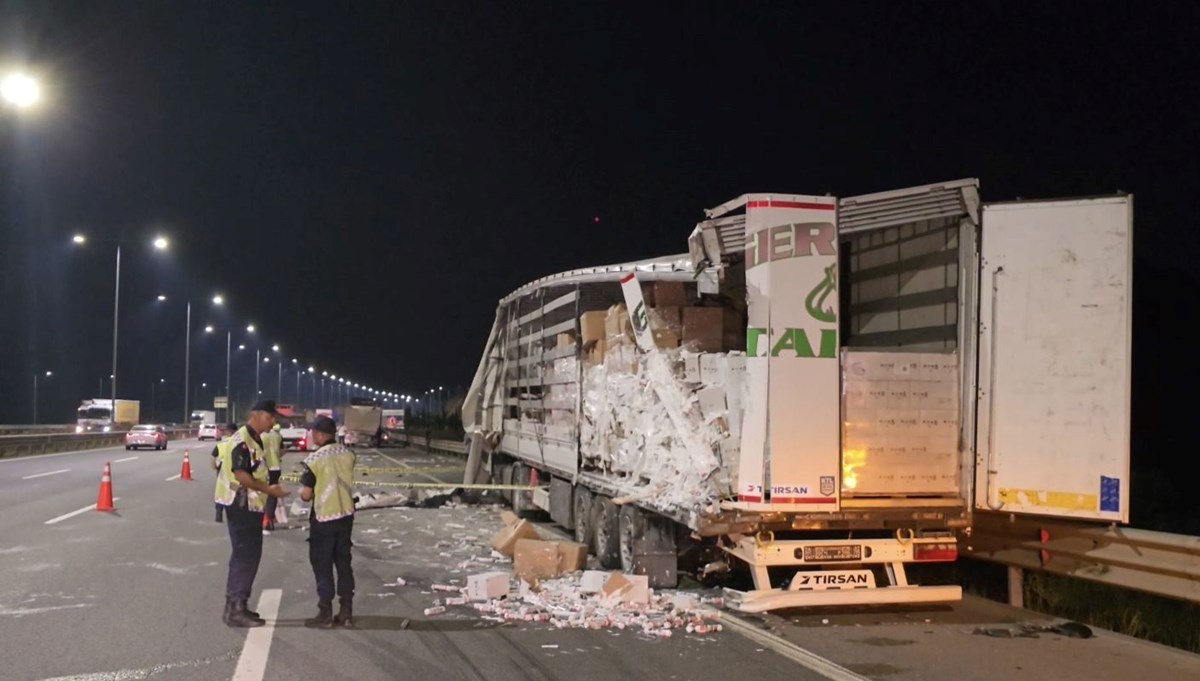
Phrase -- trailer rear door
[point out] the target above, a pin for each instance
(1054, 360)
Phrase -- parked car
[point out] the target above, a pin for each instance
(210, 431)
(146, 436)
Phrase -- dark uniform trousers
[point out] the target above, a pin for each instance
(245, 535)
(273, 478)
(329, 547)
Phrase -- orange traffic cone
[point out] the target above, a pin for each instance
(104, 502)
(186, 473)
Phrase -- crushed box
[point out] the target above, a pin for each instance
(534, 559)
(506, 539)
(627, 588)
(591, 325)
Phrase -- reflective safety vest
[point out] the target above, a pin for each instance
(227, 485)
(333, 495)
(272, 446)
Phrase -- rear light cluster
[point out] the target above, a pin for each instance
(303, 444)
(931, 553)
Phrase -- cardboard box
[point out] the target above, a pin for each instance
(565, 340)
(508, 517)
(572, 556)
(535, 560)
(594, 352)
(593, 581)
(703, 328)
(691, 367)
(616, 324)
(486, 586)
(506, 539)
(712, 401)
(591, 325)
(625, 588)
(665, 326)
(712, 369)
(670, 293)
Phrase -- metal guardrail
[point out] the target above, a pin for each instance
(1142, 560)
(37, 429)
(48, 443)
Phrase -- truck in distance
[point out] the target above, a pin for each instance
(106, 415)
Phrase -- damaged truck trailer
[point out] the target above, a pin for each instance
(823, 389)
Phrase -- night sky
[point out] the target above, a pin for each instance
(364, 180)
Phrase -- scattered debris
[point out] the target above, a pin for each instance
(1029, 630)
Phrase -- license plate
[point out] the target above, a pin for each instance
(833, 553)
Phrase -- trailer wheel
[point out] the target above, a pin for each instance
(606, 523)
(583, 515)
(522, 502)
(506, 478)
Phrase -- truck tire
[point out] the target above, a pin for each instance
(606, 523)
(506, 478)
(522, 502)
(583, 515)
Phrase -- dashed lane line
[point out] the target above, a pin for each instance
(72, 514)
(128, 458)
(42, 475)
(252, 664)
(174, 477)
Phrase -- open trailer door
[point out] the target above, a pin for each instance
(1054, 358)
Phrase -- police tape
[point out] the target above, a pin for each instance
(431, 485)
(367, 470)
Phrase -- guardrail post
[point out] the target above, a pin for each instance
(1016, 587)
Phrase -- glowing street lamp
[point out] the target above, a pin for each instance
(20, 90)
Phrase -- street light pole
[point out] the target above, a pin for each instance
(187, 365)
(35, 394)
(257, 361)
(228, 397)
(116, 303)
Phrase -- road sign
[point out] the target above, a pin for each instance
(220, 403)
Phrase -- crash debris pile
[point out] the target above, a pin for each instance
(549, 583)
(664, 425)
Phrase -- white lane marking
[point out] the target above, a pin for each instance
(128, 458)
(42, 475)
(72, 514)
(252, 664)
(826, 668)
(174, 477)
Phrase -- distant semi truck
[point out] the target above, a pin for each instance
(106, 416)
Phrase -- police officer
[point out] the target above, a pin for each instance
(273, 447)
(327, 481)
(242, 488)
(227, 430)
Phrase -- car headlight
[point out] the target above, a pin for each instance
(107, 428)
(78, 429)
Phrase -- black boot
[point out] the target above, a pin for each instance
(235, 617)
(244, 606)
(220, 514)
(324, 618)
(345, 616)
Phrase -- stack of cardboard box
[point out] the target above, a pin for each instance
(901, 428)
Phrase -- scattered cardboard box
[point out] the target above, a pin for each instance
(625, 588)
(572, 556)
(508, 517)
(486, 586)
(565, 340)
(592, 581)
(534, 560)
(506, 539)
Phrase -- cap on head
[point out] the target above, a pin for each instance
(267, 406)
(323, 424)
